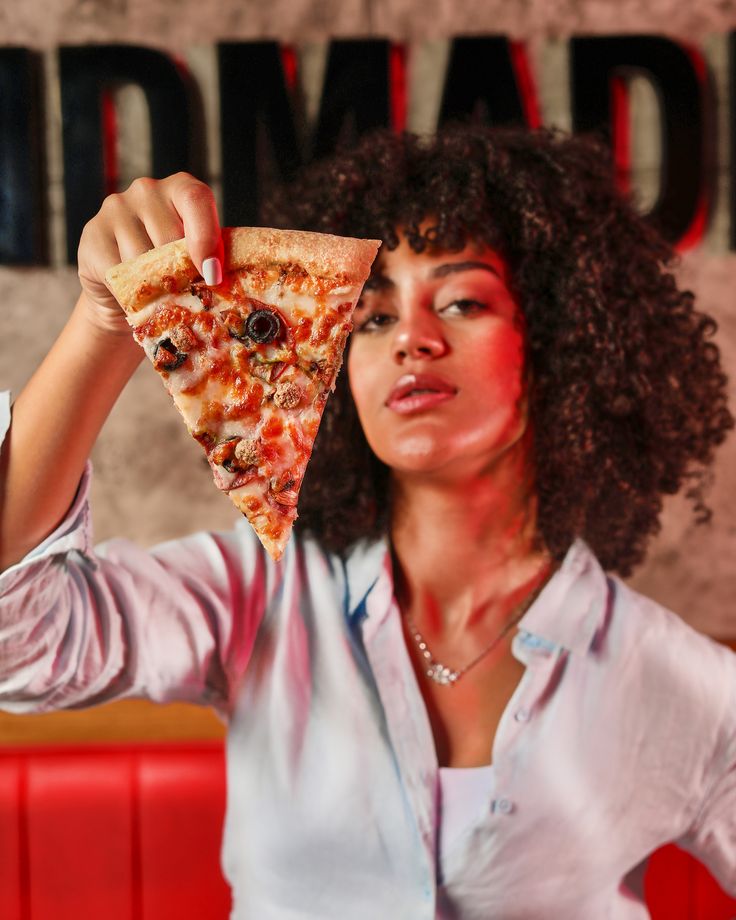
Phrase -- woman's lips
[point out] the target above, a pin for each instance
(418, 392)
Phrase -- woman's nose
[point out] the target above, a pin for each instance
(419, 338)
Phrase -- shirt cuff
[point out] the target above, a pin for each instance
(74, 531)
(4, 413)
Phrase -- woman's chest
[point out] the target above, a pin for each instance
(334, 749)
(465, 717)
(336, 774)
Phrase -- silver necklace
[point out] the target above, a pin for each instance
(441, 673)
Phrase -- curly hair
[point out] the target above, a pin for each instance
(628, 398)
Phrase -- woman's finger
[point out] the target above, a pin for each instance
(195, 203)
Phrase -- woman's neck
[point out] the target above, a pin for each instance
(465, 549)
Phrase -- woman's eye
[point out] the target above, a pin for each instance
(464, 307)
(373, 322)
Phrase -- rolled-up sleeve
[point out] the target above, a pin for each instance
(712, 837)
(80, 626)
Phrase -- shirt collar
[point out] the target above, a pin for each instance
(572, 605)
(567, 612)
(368, 560)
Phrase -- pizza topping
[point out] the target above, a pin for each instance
(273, 428)
(242, 479)
(303, 330)
(169, 315)
(287, 497)
(224, 452)
(235, 323)
(322, 369)
(253, 504)
(205, 438)
(166, 357)
(287, 395)
(247, 452)
(293, 275)
(200, 289)
(282, 489)
(236, 454)
(270, 371)
(263, 326)
(322, 329)
(183, 338)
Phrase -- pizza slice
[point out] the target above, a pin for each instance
(250, 363)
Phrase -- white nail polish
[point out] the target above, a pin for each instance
(212, 271)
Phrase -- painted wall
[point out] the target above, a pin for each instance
(151, 480)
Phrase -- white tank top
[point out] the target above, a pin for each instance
(465, 793)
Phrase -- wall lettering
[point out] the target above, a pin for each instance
(265, 136)
(22, 212)
(87, 76)
(600, 63)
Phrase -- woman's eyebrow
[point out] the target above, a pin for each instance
(449, 268)
(378, 282)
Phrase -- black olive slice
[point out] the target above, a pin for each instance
(167, 357)
(263, 326)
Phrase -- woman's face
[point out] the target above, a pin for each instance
(436, 362)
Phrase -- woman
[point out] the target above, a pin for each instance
(438, 703)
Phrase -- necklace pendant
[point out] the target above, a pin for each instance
(441, 674)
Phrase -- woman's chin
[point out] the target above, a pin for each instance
(446, 458)
(412, 453)
(416, 454)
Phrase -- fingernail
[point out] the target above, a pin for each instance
(212, 271)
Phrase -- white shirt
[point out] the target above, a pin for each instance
(620, 737)
(464, 793)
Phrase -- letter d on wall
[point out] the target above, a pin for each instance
(87, 73)
(21, 196)
(597, 61)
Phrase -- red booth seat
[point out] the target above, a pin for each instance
(115, 832)
(133, 833)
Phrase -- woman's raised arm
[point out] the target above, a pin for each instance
(58, 415)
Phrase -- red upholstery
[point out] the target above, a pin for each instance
(133, 833)
(679, 888)
(113, 832)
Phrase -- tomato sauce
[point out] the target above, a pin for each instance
(303, 329)
(273, 428)
(254, 504)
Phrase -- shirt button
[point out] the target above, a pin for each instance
(522, 715)
(503, 806)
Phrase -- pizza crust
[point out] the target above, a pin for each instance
(320, 254)
(138, 281)
(345, 260)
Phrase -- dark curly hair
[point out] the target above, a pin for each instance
(628, 398)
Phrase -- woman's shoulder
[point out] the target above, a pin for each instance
(666, 655)
(653, 622)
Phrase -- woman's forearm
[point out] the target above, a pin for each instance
(56, 420)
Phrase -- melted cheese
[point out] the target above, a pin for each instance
(217, 394)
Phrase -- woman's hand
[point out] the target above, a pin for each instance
(148, 214)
